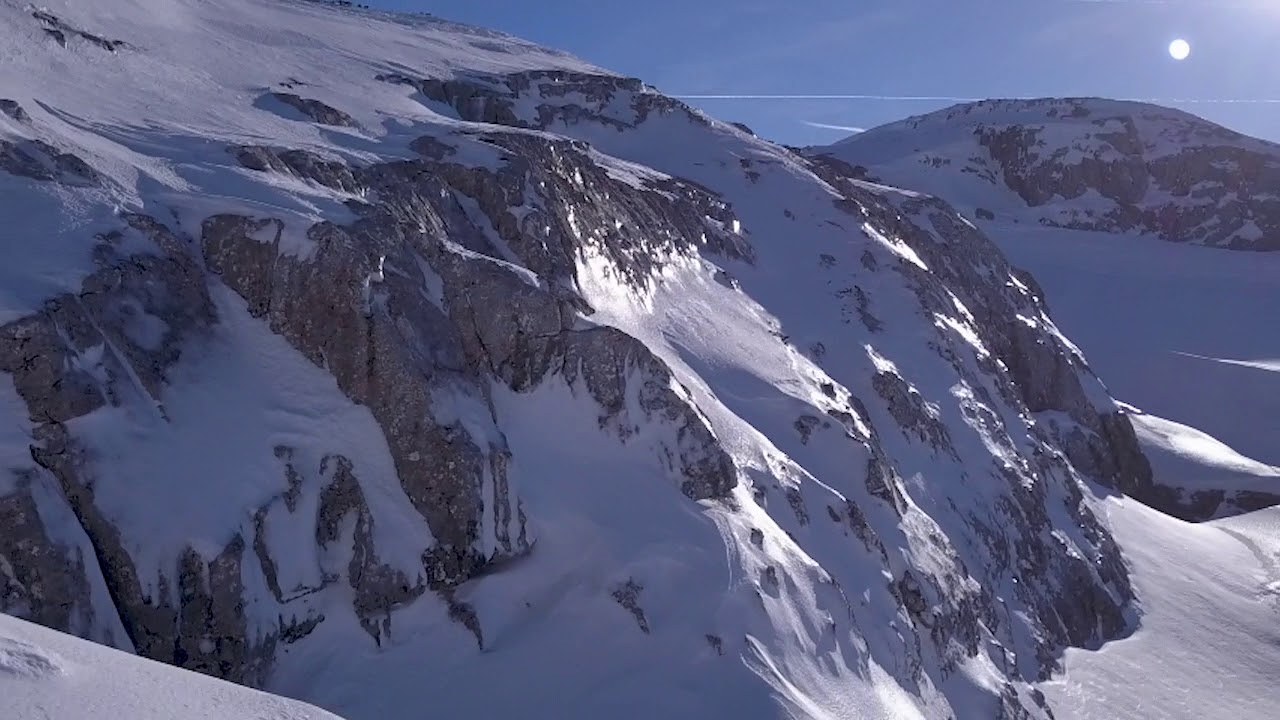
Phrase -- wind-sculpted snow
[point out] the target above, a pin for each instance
(1086, 164)
(390, 364)
(47, 675)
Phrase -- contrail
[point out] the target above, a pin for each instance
(1135, 2)
(1206, 4)
(909, 98)
(841, 128)
(957, 98)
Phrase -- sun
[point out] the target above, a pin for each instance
(1179, 49)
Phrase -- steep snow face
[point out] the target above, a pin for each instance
(387, 363)
(48, 675)
(1085, 164)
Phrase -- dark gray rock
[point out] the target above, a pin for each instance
(379, 589)
(908, 408)
(301, 163)
(205, 630)
(493, 319)
(40, 580)
(628, 596)
(38, 160)
(1077, 601)
(14, 110)
(1209, 191)
(60, 31)
(316, 110)
(452, 277)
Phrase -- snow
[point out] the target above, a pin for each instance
(1164, 130)
(1206, 645)
(15, 428)
(723, 344)
(1182, 335)
(607, 511)
(1179, 331)
(1188, 444)
(47, 243)
(45, 675)
(1176, 330)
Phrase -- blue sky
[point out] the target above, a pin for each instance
(897, 48)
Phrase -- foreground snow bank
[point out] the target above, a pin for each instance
(46, 675)
(1209, 595)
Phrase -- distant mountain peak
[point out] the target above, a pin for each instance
(1086, 163)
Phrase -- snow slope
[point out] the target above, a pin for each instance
(1209, 594)
(47, 675)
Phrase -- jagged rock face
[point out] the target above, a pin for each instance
(1097, 165)
(505, 308)
(357, 307)
(1048, 375)
(94, 349)
(56, 29)
(1026, 362)
(839, 398)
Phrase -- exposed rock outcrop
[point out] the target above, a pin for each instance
(314, 109)
(62, 32)
(39, 160)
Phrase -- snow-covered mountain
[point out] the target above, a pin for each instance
(408, 368)
(1085, 163)
(53, 676)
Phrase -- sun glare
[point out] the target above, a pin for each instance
(1179, 49)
